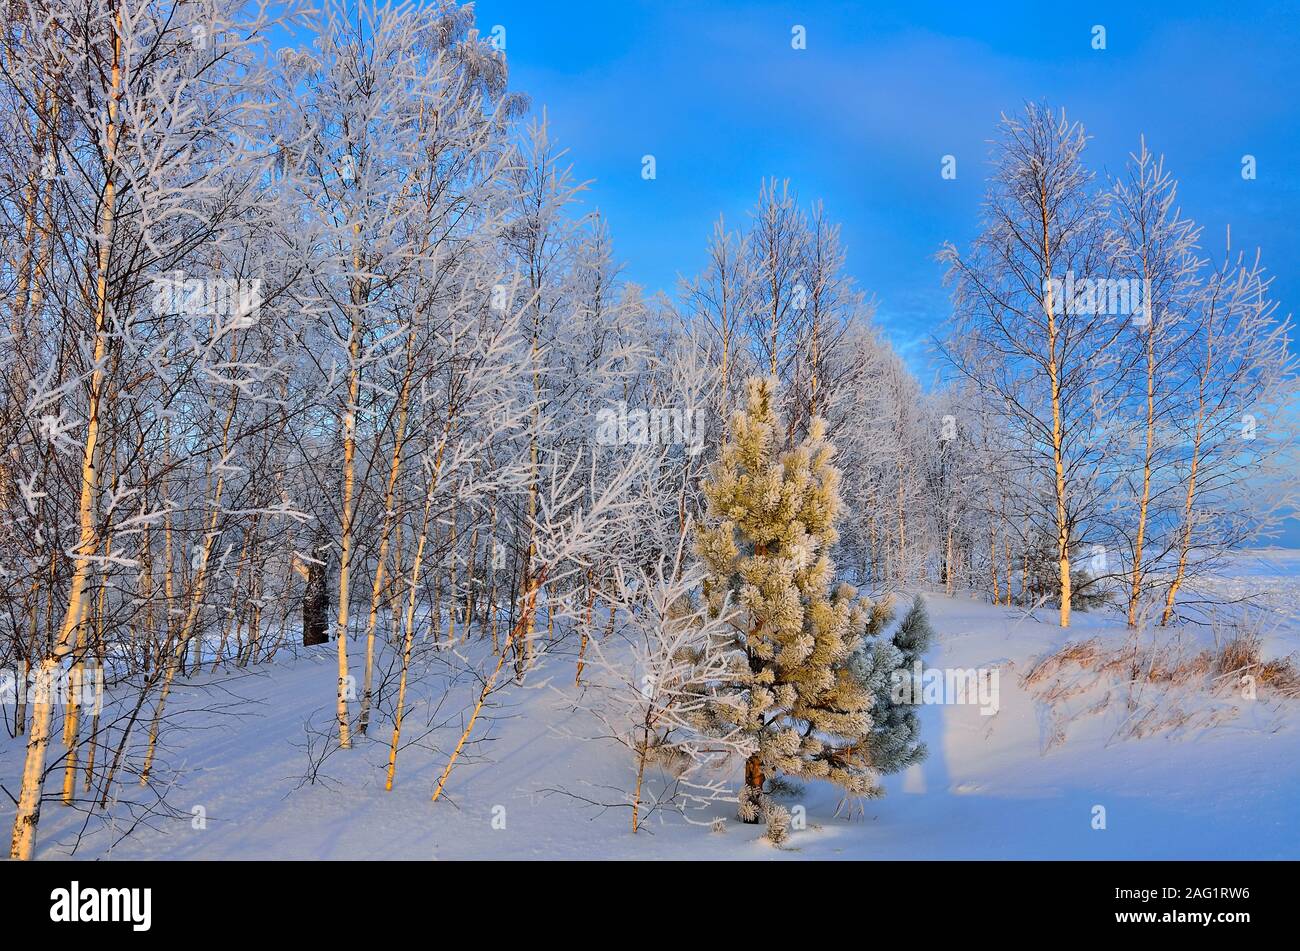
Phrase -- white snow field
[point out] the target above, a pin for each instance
(1211, 776)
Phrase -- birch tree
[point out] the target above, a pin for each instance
(144, 174)
(1040, 347)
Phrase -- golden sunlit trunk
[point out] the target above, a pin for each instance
(1185, 544)
(586, 628)
(409, 624)
(1135, 592)
(1058, 429)
(27, 813)
(385, 532)
(345, 538)
(524, 623)
(409, 639)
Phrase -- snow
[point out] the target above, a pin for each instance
(1269, 576)
(992, 787)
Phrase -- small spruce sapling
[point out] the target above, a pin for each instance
(882, 666)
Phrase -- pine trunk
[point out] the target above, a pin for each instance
(754, 780)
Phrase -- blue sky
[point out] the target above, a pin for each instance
(862, 117)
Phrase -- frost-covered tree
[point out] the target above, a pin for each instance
(776, 248)
(767, 549)
(883, 665)
(137, 343)
(874, 410)
(1038, 350)
(656, 688)
(1236, 475)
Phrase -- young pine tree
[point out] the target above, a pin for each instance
(766, 548)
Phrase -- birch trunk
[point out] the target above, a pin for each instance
(1058, 432)
(385, 532)
(409, 624)
(345, 540)
(586, 628)
(27, 813)
(1185, 543)
(1135, 591)
(993, 562)
(525, 621)
(947, 565)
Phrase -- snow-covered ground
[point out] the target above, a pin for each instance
(1223, 784)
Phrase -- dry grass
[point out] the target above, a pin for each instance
(1184, 671)
(1282, 676)
(1153, 685)
(1240, 656)
(1237, 657)
(1084, 654)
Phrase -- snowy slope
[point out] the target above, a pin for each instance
(992, 786)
